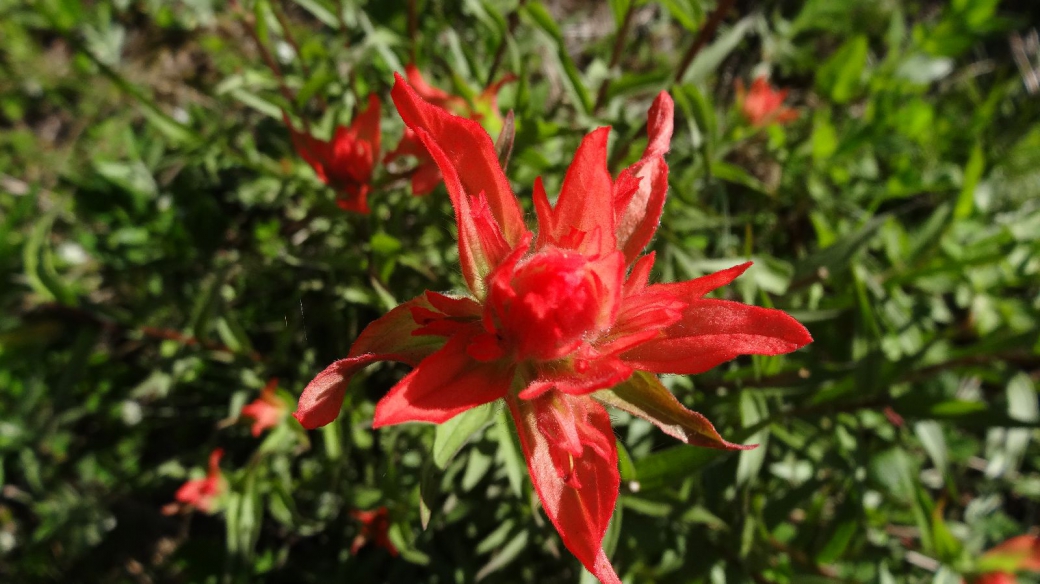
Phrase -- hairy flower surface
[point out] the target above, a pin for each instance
(426, 176)
(203, 493)
(267, 411)
(556, 323)
(345, 162)
(764, 105)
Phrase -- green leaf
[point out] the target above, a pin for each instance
(326, 16)
(753, 410)
(736, 175)
(671, 466)
(688, 13)
(540, 14)
(972, 174)
(619, 8)
(451, 435)
(39, 264)
(505, 556)
(835, 259)
(838, 542)
(824, 137)
(509, 452)
(929, 432)
(544, 20)
(841, 75)
(710, 59)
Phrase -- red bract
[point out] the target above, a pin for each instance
(201, 493)
(426, 176)
(267, 410)
(557, 323)
(763, 105)
(345, 162)
(374, 527)
(1000, 563)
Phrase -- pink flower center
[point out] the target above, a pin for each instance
(549, 305)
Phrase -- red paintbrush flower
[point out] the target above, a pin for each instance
(763, 105)
(555, 324)
(345, 162)
(375, 525)
(267, 410)
(201, 493)
(1000, 563)
(426, 176)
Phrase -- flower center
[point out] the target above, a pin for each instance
(548, 306)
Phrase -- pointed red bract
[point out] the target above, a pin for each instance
(572, 459)
(426, 176)
(556, 326)
(585, 203)
(375, 529)
(641, 188)
(422, 395)
(346, 161)
(203, 493)
(711, 332)
(389, 338)
(267, 411)
(763, 105)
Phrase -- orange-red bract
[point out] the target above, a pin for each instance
(426, 176)
(346, 161)
(556, 323)
(764, 105)
(375, 526)
(201, 493)
(1018, 554)
(267, 410)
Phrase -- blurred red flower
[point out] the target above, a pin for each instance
(763, 105)
(556, 324)
(345, 162)
(1000, 563)
(201, 493)
(374, 527)
(267, 410)
(426, 176)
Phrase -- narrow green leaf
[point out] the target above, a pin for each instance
(451, 435)
(972, 174)
(840, 76)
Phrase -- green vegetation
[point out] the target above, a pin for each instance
(164, 253)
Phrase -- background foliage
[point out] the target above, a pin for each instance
(164, 253)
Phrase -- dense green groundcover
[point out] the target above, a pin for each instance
(164, 253)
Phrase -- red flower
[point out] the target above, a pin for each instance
(201, 493)
(426, 176)
(374, 527)
(555, 324)
(999, 564)
(763, 105)
(346, 161)
(267, 410)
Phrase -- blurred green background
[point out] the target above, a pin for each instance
(164, 253)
